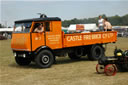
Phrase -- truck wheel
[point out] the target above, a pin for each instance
(96, 52)
(73, 56)
(22, 61)
(78, 52)
(44, 59)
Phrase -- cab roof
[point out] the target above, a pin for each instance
(39, 19)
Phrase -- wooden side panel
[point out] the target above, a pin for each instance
(80, 39)
(109, 37)
(71, 40)
(92, 38)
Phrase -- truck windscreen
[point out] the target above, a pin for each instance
(22, 27)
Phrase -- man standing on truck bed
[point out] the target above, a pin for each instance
(100, 23)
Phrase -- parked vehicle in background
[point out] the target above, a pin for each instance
(122, 31)
(6, 32)
(2, 37)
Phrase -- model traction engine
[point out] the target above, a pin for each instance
(110, 65)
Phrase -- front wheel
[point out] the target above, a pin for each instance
(44, 59)
(100, 68)
(22, 61)
(76, 54)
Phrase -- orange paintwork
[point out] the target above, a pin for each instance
(21, 41)
(37, 40)
(56, 39)
(80, 39)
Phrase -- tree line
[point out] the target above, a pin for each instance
(2, 26)
(114, 20)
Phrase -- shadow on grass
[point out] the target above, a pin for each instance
(58, 61)
(32, 65)
(67, 61)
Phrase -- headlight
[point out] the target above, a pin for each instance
(119, 54)
(14, 54)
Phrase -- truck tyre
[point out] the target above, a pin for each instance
(22, 61)
(44, 59)
(96, 52)
(73, 56)
(78, 52)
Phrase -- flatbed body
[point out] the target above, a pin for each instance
(62, 40)
(89, 38)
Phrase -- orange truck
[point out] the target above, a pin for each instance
(43, 47)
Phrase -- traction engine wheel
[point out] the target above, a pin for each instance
(100, 68)
(110, 70)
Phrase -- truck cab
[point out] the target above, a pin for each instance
(26, 39)
(26, 43)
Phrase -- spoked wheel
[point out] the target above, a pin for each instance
(110, 70)
(100, 68)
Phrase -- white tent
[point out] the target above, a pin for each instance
(87, 27)
(6, 29)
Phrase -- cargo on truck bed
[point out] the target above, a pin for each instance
(43, 47)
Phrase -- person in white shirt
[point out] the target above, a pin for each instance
(101, 23)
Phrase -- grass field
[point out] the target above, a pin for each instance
(64, 72)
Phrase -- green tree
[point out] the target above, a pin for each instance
(115, 20)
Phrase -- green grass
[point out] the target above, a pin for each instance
(65, 72)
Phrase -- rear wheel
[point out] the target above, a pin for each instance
(44, 59)
(73, 56)
(96, 52)
(76, 54)
(22, 61)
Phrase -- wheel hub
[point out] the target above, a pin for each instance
(45, 59)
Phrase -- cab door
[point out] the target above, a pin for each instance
(53, 34)
(37, 39)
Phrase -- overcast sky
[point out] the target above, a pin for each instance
(65, 9)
